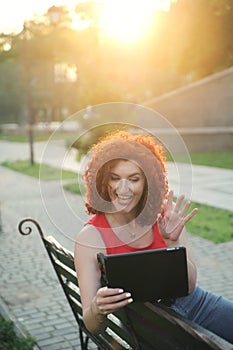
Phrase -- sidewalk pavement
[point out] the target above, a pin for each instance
(30, 293)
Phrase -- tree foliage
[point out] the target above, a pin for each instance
(203, 36)
(192, 40)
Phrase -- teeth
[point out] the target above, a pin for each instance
(124, 198)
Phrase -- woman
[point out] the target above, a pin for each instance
(127, 193)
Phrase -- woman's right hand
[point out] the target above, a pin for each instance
(108, 300)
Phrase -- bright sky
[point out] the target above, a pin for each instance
(14, 12)
(123, 25)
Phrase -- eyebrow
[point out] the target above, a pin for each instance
(134, 174)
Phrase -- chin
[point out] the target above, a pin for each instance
(124, 209)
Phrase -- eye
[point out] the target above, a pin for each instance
(134, 179)
(114, 178)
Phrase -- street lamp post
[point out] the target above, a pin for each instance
(30, 117)
(54, 15)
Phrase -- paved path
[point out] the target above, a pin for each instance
(28, 286)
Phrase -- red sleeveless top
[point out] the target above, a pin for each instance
(114, 245)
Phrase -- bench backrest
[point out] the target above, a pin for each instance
(117, 335)
(138, 326)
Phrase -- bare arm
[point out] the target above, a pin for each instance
(172, 228)
(97, 301)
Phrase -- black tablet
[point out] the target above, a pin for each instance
(148, 275)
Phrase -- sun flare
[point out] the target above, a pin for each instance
(127, 20)
(121, 20)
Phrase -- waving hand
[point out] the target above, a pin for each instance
(173, 221)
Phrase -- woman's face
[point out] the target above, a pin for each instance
(125, 185)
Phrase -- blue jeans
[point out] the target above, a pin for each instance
(212, 312)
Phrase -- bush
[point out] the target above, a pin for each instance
(10, 341)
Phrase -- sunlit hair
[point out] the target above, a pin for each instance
(145, 153)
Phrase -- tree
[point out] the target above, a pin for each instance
(40, 48)
(200, 36)
(11, 99)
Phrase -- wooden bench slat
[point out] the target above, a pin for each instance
(118, 325)
(73, 290)
(65, 273)
(118, 340)
(60, 255)
(75, 300)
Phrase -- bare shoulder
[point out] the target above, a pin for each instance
(90, 237)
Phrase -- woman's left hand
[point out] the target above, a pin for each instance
(173, 221)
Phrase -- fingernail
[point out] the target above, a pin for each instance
(120, 290)
(130, 300)
(128, 295)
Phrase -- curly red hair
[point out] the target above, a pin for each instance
(146, 153)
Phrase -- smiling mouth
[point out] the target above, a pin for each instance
(124, 199)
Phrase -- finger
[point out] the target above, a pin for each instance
(185, 209)
(190, 215)
(117, 298)
(183, 221)
(179, 203)
(105, 291)
(117, 305)
(107, 304)
(170, 201)
(110, 295)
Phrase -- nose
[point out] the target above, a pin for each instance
(124, 186)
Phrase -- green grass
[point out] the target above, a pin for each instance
(44, 172)
(39, 136)
(215, 159)
(10, 341)
(211, 223)
(23, 138)
(75, 187)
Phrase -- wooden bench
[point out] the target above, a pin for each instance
(143, 326)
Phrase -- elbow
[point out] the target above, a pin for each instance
(92, 325)
(96, 330)
(93, 330)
